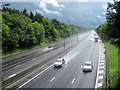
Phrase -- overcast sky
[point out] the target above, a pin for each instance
(82, 13)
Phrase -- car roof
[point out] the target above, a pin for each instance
(60, 59)
(88, 62)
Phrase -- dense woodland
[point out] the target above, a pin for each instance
(21, 29)
(110, 31)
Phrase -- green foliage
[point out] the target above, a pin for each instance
(113, 65)
(39, 32)
(55, 34)
(110, 30)
(21, 30)
(8, 39)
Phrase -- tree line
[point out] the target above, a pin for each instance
(110, 29)
(21, 29)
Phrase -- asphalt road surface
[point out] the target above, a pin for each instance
(36, 58)
(71, 74)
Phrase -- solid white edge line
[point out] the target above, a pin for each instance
(96, 84)
(34, 77)
(52, 79)
(11, 75)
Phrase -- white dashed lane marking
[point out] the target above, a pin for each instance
(101, 64)
(73, 80)
(81, 66)
(34, 59)
(100, 77)
(65, 66)
(52, 79)
(102, 67)
(100, 84)
(101, 71)
(102, 61)
(16, 66)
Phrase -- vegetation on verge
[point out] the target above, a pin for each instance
(109, 32)
(112, 64)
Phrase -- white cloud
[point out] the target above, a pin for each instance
(46, 10)
(42, 4)
(104, 6)
(82, 0)
(117, 0)
(114, 10)
(54, 3)
(62, 5)
(85, 0)
(98, 16)
(103, 13)
(59, 0)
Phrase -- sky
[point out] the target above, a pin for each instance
(84, 13)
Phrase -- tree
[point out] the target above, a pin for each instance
(113, 15)
(55, 34)
(25, 12)
(9, 40)
(31, 15)
(39, 32)
(38, 17)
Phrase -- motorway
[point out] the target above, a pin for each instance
(70, 75)
(36, 56)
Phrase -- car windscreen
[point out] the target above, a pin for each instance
(58, 61)
(87, 64)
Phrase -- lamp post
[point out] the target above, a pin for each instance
(64, 42)
(63, 38)
(77, 36)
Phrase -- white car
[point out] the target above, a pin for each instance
(50, 46)
(59, 62)
(87, 67)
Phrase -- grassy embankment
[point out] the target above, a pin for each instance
(112, 65)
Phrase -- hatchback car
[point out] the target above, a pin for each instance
(59, 62)
(88, 66)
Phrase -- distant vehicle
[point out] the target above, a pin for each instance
(59, 62)
(90, 39)
(87, 66)
(96, 38)
(50, 46)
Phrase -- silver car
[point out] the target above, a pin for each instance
(88, 66)
(59, 62)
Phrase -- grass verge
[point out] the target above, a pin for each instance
(112, 65)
